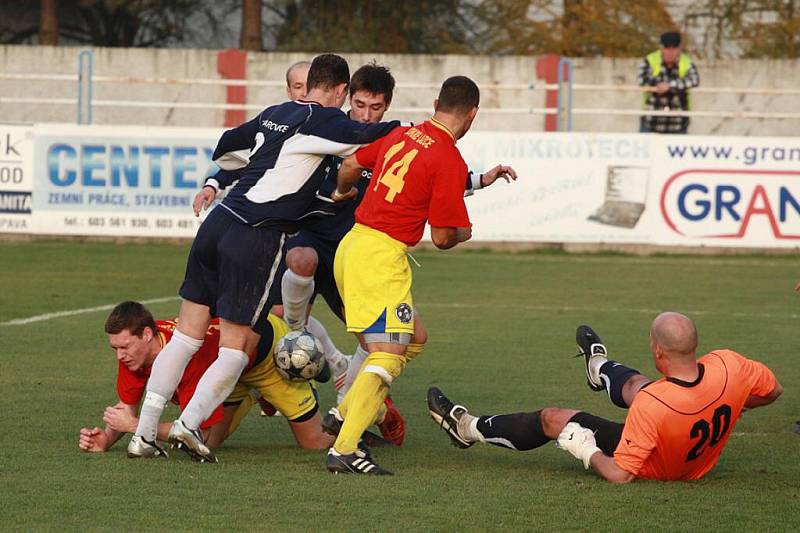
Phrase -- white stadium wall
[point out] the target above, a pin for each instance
(718, 191)
(519, 71)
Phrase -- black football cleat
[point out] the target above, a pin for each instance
(358, 462)
(332, 424)
(590, 346)
(447, 415)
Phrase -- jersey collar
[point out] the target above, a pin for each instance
(688, 384)
(443, 128)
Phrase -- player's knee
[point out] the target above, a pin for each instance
(554, 419)
(309, 435)
(380, 371)
(302, 261)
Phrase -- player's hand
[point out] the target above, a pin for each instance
(93, 440)
(203, 199)
(336, 196)
(120, 419)
(579, 441)
(500, 171)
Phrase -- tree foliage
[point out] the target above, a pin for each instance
(576, 28)
(104, 22)
(749, 28)
(423, 26)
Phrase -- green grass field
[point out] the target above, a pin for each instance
(501, 339)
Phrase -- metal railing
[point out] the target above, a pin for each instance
(564, 110)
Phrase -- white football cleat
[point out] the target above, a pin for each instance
(191, 442)
(141, 448)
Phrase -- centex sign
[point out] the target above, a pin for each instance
(732, 204)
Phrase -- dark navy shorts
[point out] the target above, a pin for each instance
(235, 269)
(324, 282)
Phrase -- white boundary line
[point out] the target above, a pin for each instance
(72, 312)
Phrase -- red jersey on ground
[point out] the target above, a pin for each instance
(418, 176)
(131, 385)
(676, 430)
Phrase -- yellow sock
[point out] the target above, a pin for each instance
(240, 413)
(413, 350)
(364, 399)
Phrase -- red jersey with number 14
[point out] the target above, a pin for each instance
(418, 176)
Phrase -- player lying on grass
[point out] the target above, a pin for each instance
(676, 426)
(137, 339)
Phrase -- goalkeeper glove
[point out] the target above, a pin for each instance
(579, 441)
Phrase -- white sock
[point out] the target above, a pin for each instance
(468, 428)
(336, 359)
(594, 368)
(296, 292)
(152, 407)
(216, 384)
(352, 371)
(165, 375)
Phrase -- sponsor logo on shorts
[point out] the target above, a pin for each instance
(404, 313)
(305, 401)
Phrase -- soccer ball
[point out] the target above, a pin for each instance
(299, 356)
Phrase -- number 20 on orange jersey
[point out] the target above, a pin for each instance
(393, 174)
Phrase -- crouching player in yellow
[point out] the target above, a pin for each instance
(418, 176)
(137, 338)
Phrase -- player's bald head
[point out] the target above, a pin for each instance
(298, 69)
(675, 334)
(296, 77)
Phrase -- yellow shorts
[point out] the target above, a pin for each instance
(293, 400)
(374, 279)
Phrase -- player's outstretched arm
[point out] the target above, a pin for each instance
(445, 238)
(348, 176)
(121, 419)
(96, 440)
(608, 469)
(100, 440)
(203, 199)
(580, 442)
(499, 172)
(754, 401)
(234, 146)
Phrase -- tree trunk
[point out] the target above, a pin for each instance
(48, 22)
(251, 25)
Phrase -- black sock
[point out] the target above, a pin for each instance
(520, 431)
(614, 376)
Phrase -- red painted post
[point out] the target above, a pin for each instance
(547, 69)
(232, 65)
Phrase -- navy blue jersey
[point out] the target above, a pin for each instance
(282, 156)
(342, 215)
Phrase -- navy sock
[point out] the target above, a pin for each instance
(614, 376)
(518, 431)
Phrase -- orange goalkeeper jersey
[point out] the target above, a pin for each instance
(676, 430)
